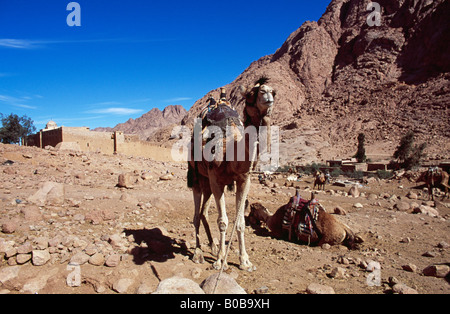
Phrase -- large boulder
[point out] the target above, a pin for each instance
(226, 285)
(178, 285)
(127, 180)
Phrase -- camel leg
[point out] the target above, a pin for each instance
(198, 255)
(204, 218)
(222, 221)
(241, 196)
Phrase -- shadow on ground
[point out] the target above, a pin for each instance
(153, 245)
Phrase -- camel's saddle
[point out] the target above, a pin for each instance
(221, 114)
(300, 218)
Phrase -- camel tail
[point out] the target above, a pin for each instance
(190, 177)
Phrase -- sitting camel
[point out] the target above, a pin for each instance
(320, 180)
(435, 177)
(292, 221)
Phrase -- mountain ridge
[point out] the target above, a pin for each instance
(150, 122)
(340, 76)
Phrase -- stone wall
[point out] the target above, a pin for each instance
(90, 141)
(102, 142)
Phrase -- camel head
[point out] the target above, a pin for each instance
(259, 100)
(258, 213)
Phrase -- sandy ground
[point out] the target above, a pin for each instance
(153, 223)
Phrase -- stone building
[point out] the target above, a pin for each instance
(84, 140)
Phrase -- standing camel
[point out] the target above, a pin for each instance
(319, 180)
(211, 177)
(434, 177)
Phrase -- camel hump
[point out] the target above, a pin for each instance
(222, 116)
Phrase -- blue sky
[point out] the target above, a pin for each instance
(128, 57)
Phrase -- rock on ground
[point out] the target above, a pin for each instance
(40, 257)
(403, 289)
(227, 285)
(178, 285)
(49, 192)
(122, 285)
(439, 271)
(126, 180)
(316, 288)
(8, 273)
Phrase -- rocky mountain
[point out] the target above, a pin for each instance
(341, 76)
(150, 122)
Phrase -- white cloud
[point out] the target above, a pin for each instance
(61, 121)
(16, 102)
(178, 99)
(18, 43)
(19, 102)
(33, 44)
(105, 103)
(116, 111)
(8, 99)
(25, 106)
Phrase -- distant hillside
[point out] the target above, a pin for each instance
(149, 123)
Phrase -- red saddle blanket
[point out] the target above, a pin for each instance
(297, 219)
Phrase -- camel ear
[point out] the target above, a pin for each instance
(250, 96)
(242, 90)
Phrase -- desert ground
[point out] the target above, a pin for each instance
(127, 239)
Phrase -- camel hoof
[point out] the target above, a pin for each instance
(248, 269)
(198, 257)
(218, 265)
(247, 266)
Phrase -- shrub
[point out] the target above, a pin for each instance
(408, 154)
(361, 153)
(383, 174)
(336, 173)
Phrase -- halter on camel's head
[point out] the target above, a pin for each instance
(259, 101)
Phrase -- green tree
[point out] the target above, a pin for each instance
(361, 153)
(417, 154)
(14, 128)
(405, 147)
(408, 154)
